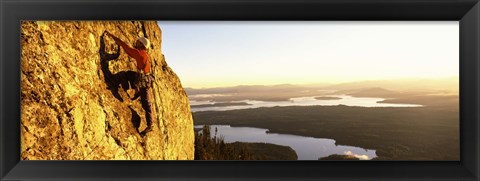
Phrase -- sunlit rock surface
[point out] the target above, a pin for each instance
(75, 95)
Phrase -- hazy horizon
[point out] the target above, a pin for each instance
(226, 54)
(449, 78)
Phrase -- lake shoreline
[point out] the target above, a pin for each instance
(331, 100)
(306, 147)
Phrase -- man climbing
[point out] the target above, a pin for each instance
(144, 78)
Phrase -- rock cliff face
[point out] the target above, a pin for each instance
(76, 89)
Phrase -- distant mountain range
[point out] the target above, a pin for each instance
(378, 87)
(243, 88)
(417, 84)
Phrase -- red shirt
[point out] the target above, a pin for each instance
(140, 56)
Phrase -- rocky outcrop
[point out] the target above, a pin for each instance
(76, 90)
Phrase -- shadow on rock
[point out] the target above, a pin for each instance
(124, 79)
(135, 118)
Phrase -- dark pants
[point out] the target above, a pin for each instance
(147, 98)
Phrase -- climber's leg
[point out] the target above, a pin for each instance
(146, 98)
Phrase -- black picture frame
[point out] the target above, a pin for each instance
(467, 12)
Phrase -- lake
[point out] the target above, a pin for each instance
(303, 101)
(307, 148)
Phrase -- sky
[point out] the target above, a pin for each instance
(221, 53)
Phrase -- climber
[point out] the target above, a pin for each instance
(144, 78)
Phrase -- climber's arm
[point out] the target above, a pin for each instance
(132, 52)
